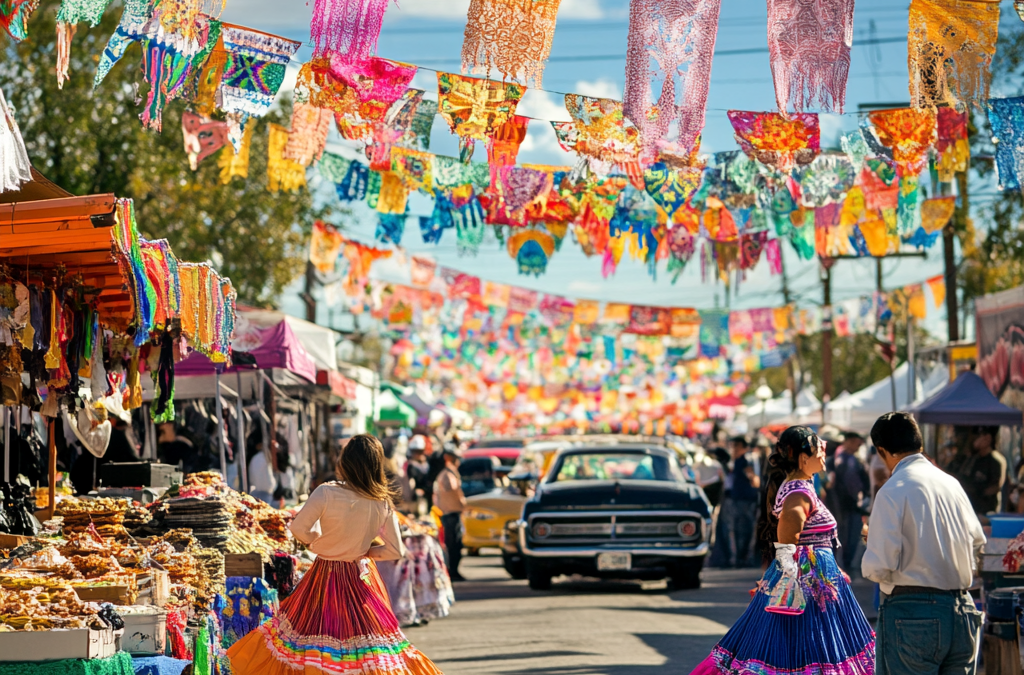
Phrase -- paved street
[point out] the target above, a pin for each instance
(581, 627)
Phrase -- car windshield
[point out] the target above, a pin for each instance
(497, 443)
(615, 466)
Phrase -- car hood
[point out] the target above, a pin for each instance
(619, 495)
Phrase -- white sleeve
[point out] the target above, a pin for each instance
(885, 540)
(306, 524)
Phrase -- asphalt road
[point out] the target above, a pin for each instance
(582, 627)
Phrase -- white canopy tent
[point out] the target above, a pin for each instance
(781, 407)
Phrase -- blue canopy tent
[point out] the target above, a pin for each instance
(966, 401)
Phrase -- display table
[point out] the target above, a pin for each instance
(118, 664)
(158, 665)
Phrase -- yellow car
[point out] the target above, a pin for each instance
(486, 514)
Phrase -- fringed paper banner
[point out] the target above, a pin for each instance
(773, 253)
(414, 168)
(349, 28)
(511, 36)
(376, 84)
(474, 108)
(936, 212)
(777, 141)
(826, 180)
(390, 228)
(937, 285)
(809, 44)
(408, 122)
(521, 300)
(325, 246)
(236, 164)
(602, 131)
(393, 196)
(950, 45)
(360, 259)
(15, 167)
(282, 174)
(203, 137)
(952, 146)
(909, 134)
(14, 16)
(253, 74)
(422, 270)
(72, 12)
(503, 146)
(671, 188)
(308, 134)
(450, 172)
(670, 49)
(1006, 117)
(751, 247)
(531, 249)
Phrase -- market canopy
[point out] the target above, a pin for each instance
(394, 411)
(966, 401)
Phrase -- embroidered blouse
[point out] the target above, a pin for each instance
(820, 526)
(337, 523)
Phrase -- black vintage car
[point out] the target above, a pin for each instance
(622, 511)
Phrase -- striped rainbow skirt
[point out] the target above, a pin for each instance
(830, 637)
(338, 621)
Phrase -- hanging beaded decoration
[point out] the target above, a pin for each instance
(950, 45)
(670, 49)
(809, 44)
(512, 36)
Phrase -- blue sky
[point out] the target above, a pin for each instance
(429, 33)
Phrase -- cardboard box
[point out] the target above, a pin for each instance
(145, 632)
(154, 588)
(9, 541)
(243, 565)
(115, 595)
(53, 645)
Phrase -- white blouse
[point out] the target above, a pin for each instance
(337, 523)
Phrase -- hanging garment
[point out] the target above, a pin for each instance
(15, 168)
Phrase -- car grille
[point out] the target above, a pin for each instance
(632, 528)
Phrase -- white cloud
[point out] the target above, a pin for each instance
(543, 105)
(584, 287)
(600, 88)
(580, 9)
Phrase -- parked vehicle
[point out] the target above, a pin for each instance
(614, 511)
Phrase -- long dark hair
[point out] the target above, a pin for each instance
(784, 460)
(361, 466)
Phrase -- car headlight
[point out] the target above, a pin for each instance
(541, 530)
(687, 529)
(480, 514)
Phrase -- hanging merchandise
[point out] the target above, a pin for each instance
(670, 49)
(15, 168)
(348, 28)
(14, 16)
(809, 44)
(777, 141)
(510, 36)
(308, 134)
(282, 174)
(950, 45)
(1006, 117)
(325, 246)
(236, 164)
(952, 146)
(474, 108)
(203, 137)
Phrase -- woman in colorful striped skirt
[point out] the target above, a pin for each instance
(803, 619)
(339, 619)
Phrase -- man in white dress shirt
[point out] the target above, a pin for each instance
(922, 540)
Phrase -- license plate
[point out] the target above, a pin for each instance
(614, 561)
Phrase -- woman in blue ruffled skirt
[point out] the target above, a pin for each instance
(804, 618)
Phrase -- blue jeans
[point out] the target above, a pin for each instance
(927, 634)
(740, 519)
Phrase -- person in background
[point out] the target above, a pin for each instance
(448, 497)
(984, 473)
(720, 546)
(285, 491)
(262, 481)
(173, 448)
(878, 472)
(417, 470)
(739, 507)
(339, 617)
(923, 537)
(850, 483)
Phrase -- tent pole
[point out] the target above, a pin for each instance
(51, 472)
(220, 426)
(7, 444)
(240, 451)
(263, 419)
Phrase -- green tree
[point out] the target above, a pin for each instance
(93, 142)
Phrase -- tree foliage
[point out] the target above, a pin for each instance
(93, 142)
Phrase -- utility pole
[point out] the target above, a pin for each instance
(958, 222)
(790, 371)
(307, 293)
(826, 337)
(880, 289)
